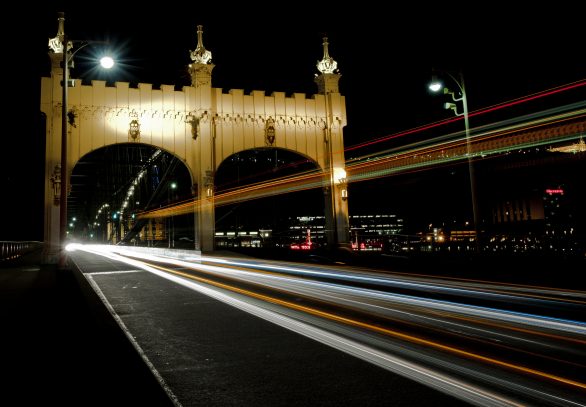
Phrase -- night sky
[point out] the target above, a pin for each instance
(385, 57)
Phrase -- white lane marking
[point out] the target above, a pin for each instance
(138, 348)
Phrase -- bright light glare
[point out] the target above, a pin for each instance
(71, 247)
(339, 173)
(107, 62)
(435, 86)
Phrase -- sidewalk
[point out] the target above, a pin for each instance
(57, 348)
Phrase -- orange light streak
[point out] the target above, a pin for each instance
(317, 179)
(384, 331)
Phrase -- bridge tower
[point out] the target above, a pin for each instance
(203, 158)
(336, 192)
(201, 126)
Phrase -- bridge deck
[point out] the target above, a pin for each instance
(201, 350)
(209, 353)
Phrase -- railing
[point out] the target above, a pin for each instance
(13, 250)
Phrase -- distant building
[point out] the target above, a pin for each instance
(302, 226)
(371, 232)
(367, 232)
(578, 147)
(539, 221)
(377, 232)
(560, 227)
(233, 238)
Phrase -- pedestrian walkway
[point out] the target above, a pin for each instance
(60, 349)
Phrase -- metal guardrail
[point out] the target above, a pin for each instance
(10, 250)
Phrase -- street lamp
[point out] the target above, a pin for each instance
(436, 86)
(341, 182)
(65, 44)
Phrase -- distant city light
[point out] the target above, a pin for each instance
(554, 191)
(435, 86)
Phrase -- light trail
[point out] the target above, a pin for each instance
(451, 142)
(423, 316)
(455, 151)
(444, 152)
(490, 291)
(514, 102)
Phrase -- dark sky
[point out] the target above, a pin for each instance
(385, 55)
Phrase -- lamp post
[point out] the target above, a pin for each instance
(171, 232)
(106, 62)
(436, 86)
(64, 180)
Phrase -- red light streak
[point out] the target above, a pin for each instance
(475, 113)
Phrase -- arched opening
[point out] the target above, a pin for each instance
(278, 218)
(110, 186)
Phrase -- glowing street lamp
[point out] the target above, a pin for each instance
(62, 44)
(106, 62)
(436, 86)
(341, 182)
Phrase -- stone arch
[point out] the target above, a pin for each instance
(318, 178)
(140, 172)
(304, 156)
(278, 184)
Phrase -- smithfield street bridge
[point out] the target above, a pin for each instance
(199, 125)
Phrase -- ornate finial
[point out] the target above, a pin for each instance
(201, 55)
(56, 44)
(327, 64)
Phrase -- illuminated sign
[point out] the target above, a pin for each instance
(302, 246)
(554, 191)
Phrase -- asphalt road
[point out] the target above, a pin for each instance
(208, 353)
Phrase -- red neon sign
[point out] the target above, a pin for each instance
(303, 246)
(554, 191)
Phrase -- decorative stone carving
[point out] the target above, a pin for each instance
(281, 121)
(56, 43)
(200, 55)
(134, 127)
(327, 63)
(56, 182)
(193, 121)
(270, 132)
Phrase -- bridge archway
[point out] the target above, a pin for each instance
(111, 186)
(278, 187)
(202, 126)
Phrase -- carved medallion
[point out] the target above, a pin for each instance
(270, 131)
(193, 120)
(134, 129)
